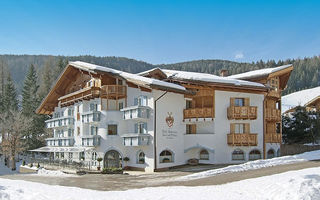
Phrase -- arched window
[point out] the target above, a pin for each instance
(270, 153)
(166, 157)
(237, 155)
(254, 155)
(204, 155)
(141, 158)
(94, 156)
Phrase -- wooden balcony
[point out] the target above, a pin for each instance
(113, 91)
(274, 93)
(273, 138)
(106, 91)
(242, 112)
(242, 139)
(198, 113)
(273, 115)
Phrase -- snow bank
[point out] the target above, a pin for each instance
(257, 164)
(299, 98)
(293, 185)
(45, 172)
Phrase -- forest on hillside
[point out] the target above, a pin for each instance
(305, 74)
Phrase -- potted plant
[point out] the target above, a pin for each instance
(23, 163)
(99, 160)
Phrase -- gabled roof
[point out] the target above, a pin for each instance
(201, 77)
(73, 68)
(260, 73)
(300, 98)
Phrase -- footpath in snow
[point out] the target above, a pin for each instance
(257, 164)
(293, 185)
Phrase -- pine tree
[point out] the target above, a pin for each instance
(10, 101)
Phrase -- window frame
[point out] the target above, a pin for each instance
(116, 129)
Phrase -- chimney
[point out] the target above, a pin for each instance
(224, 72)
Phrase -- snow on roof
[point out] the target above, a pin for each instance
(128, 76)
(259, 72)
(183, 75)
(299, 98)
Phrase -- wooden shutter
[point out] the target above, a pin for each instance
(193, 129)
(232, 127)
(246, 101)
(246, 128)
(232, 101)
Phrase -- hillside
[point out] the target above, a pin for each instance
(305, 75)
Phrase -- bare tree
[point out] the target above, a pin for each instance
(13, 124)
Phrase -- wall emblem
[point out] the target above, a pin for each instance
(169, 120)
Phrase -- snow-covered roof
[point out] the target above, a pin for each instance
(299, 98)
(259, 73)
(128, 76)
(204, 77)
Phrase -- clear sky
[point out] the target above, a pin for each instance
(163, 31)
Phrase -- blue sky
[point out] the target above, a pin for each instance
(162, 31)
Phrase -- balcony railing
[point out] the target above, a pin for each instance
(136, 112)
(60, 141)
(106, 91)
(242, 139)
(91, 140)
(273, 114)
(136, 139)
(60, 122)
(274, 93)
(83, 94)
(273, 138)
(198, 113)
(113, 91)
(242, 112)
(92, 116)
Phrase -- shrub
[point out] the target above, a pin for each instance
(99, 159)
(112, 170)
(126, 159)
(23, 163)
(38, 165)
(30, 165)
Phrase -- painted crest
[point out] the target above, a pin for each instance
(170, 119)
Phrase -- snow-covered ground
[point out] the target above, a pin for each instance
(5, 170)
(257, 164)
(301, 184)
(45, 172)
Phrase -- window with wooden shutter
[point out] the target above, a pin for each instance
(246, 102)
(232, 100)
(191, 129)
(247, 128)
(232, 128)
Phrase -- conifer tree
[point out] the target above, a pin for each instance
(10, 101)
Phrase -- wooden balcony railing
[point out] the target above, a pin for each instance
(114, 91)
(106, 91)
(274, 93)
(242, 139)
(198, 113)
(273, 138)
(273, 114)
(242, 112)
(83, 94)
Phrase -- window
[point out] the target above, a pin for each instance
(62, 155)
(112, 129)
(254, 155)
(141, 101)
(70, 155)
(141, 158)
(190, 128)
(81, 156)
(278, 105)
(93, 130)
(94, 156)
(238, 155)
(70, 112)
(93, 107)
(270, 153)
(166, 157)
(188, 104)
(140, 128)
(120, 105)
(70, 132)
(239, 128)
(204, 155)
(278, 128)
(239, 101)
(120, 82)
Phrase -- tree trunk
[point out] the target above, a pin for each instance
(13, 163)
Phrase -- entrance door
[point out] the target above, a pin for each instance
(112, 159)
